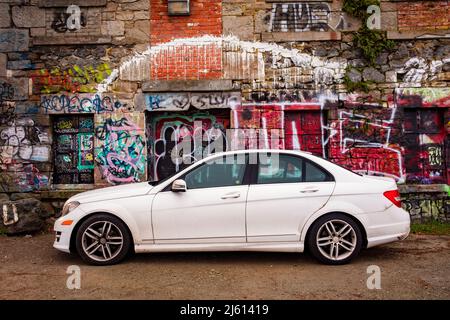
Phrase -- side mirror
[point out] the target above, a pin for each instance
(179, 186)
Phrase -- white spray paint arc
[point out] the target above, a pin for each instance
(239, 54)
(239, 58)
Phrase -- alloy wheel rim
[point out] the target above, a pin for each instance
(336, 239)
(102, 241)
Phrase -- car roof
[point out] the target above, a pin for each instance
(298, 152)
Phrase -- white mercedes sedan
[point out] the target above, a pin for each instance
(249, 200)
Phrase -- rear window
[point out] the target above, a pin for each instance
(359, 174)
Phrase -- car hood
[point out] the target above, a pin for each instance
(123, 191)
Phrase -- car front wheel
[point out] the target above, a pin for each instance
(103, 240)
(335, 239)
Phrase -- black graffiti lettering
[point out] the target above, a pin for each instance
(100, 131)
(59, 23)
(181, 102)
(61, 19)
(177, 144)
(19, 141)
(6, 91)
(199, 101)
(297, 17)
(7, 109)
(217, 100)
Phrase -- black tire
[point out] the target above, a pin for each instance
(120, 230)
(337, 219)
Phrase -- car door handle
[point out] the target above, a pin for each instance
(231, 195)
(309, 190)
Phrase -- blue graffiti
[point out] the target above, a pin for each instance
(78, 104)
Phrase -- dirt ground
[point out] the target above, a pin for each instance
(417, 268)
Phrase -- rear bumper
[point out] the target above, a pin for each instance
(391, 225)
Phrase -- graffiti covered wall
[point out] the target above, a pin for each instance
(364, 138)
(120, 148)
(407, 143)
(86, 102)
(166, 132)
(25, 142)
(74, 79)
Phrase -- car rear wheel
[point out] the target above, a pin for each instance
(103, 240)
(335, 239)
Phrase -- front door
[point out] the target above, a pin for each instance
(212, 210)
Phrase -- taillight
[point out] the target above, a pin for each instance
(394, 197)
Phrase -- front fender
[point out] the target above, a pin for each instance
(114, 209)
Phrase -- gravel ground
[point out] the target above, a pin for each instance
(417, 268)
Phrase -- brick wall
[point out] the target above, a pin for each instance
(205, 19)
(424, 15)
(188, 62)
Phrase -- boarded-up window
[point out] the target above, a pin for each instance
(73, 150)
(424, 143)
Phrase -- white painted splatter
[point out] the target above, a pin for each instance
(251, 60)
(241, 60)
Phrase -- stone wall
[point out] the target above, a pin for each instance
(53, 60)
(91, 96)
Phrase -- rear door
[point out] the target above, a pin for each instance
(286, 191)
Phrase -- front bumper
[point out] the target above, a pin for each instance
(62, 241)
(63, 233)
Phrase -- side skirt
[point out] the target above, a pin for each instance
(260, 246)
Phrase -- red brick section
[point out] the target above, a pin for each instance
(423, 15)
(188, 61)
(205, 19)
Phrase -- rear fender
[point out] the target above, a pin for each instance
(331, 206)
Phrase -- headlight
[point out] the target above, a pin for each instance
(69, 206)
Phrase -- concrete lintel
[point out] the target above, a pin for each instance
(422, 188)
(301, 36)
(187, 85)
(290, 1)
(66, 3)
(425, 34)
(65, 40)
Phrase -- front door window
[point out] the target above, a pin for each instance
(222, 172)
